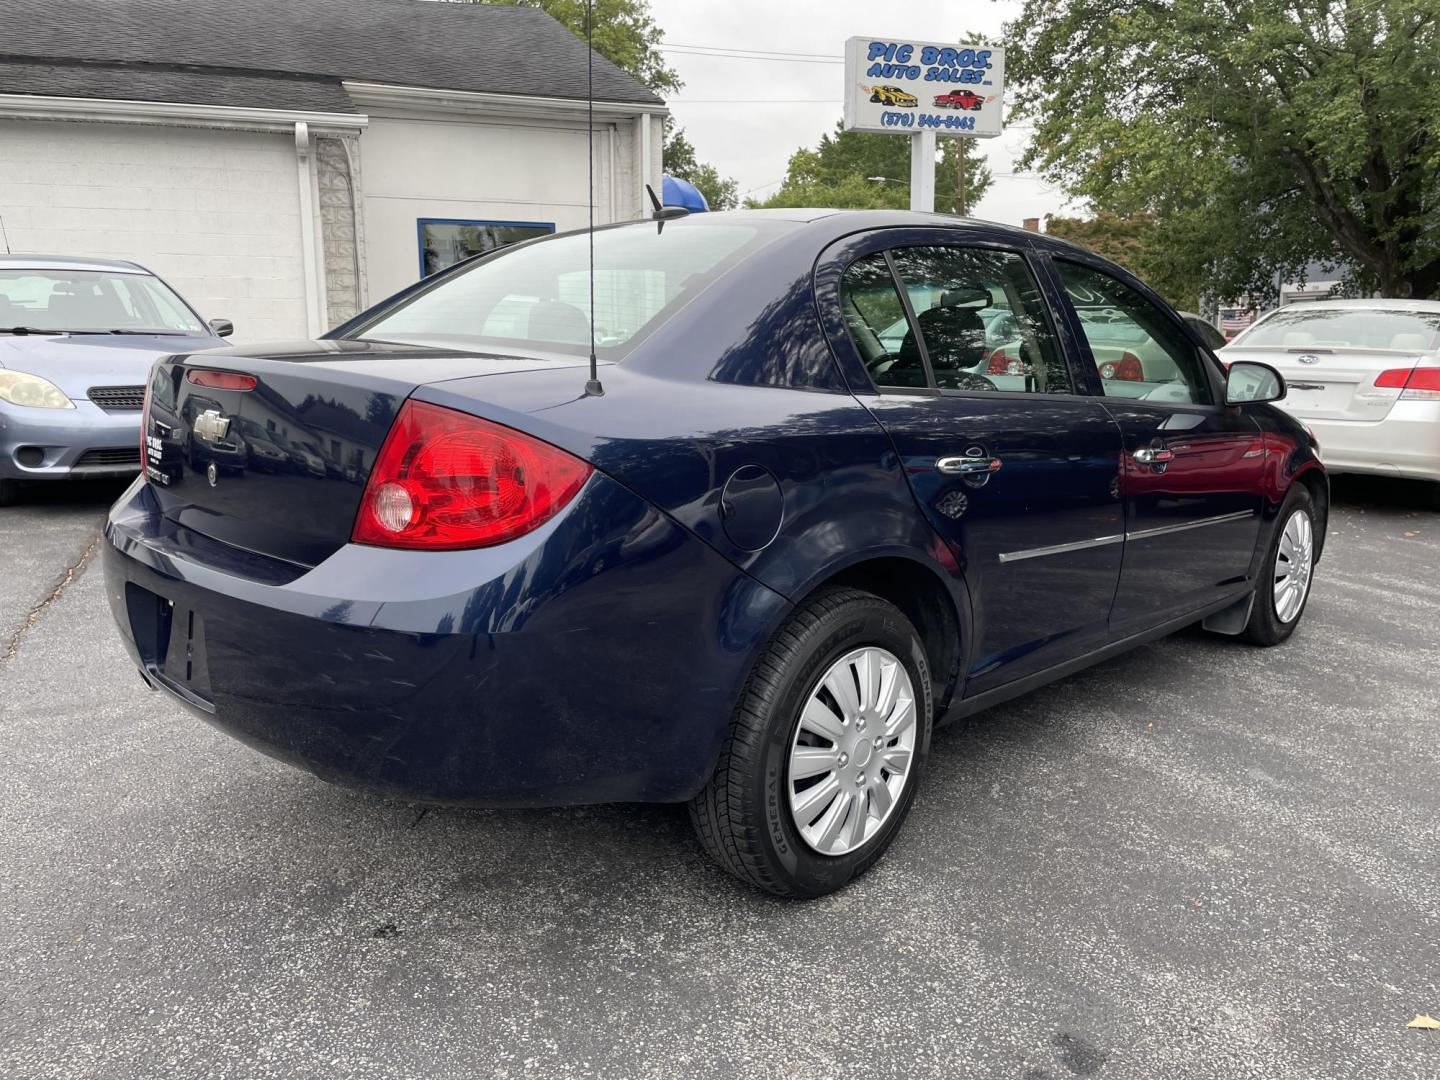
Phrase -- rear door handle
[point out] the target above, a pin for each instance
(967, 466)
(1153, 455)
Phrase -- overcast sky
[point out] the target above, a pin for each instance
(752, 139)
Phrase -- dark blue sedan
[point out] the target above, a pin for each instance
(756, 571)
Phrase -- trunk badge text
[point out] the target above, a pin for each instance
(211, 426)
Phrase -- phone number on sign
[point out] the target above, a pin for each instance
(901, 119)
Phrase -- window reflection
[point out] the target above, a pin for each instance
(979, 315)
(1138, 351)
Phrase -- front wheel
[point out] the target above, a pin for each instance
(824, 753)
(1286, 574)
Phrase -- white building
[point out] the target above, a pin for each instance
(285, 163)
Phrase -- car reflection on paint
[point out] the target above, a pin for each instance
(307, 458)
(265, 452)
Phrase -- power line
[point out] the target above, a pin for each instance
(748, 56)
(722, 50)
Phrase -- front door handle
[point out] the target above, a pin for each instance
(1153, 455)
(967, 466)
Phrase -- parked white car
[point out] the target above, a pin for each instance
(1364, 375)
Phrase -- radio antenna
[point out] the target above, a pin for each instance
(593, 387)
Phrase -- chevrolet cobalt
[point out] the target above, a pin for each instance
(752, 569)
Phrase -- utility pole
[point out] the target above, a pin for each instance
(960, 180)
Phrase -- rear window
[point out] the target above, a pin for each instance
(539, 294)
(1347, 328)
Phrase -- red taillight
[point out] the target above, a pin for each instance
(1128, 368)
(445, 479)
(1423, 380)
(1002, 363)
(1421, 383)
(220, 380)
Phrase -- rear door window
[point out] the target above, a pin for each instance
(875, 318)
(974, 321)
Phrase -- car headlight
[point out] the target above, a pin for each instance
(22, 388)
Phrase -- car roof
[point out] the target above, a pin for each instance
(69, 262)
(843, 222)
(1379, 303)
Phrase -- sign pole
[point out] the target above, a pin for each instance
(960, 178)
(922, 171)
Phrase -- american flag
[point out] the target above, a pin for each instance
(1233, 320)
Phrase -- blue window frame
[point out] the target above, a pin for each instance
(445, 241)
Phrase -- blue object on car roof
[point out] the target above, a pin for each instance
(677, 192)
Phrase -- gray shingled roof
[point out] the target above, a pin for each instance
(126, 82)
(292, 53)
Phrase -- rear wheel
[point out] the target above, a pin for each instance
(1289, 567)
(825, 750)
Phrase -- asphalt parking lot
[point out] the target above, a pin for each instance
(1199, 860)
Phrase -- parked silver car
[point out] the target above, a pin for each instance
(1364, 375)
(77, 338)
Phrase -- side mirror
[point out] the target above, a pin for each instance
(222, 327)
(1249, 383)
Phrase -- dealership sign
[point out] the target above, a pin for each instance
(912, 87)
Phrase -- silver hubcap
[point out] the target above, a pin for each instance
(851, 755)
(1293, 564)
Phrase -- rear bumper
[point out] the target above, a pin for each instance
(584, 663)
(63, 437)
(1405, 443)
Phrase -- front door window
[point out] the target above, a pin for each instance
(1138, 350)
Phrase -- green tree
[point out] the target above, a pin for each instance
(1260, 135)
(625, 33)
(838, 173)
(1135, 244)
(680, 161)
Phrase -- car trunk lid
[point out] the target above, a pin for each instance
(275, 463)
(1331, 383)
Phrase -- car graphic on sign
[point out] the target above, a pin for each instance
(893, 95)
(959, 99)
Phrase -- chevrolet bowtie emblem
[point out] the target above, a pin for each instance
(211, 426)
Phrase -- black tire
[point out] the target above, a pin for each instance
(9, 492)
(1265, 626)
(742, 816)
